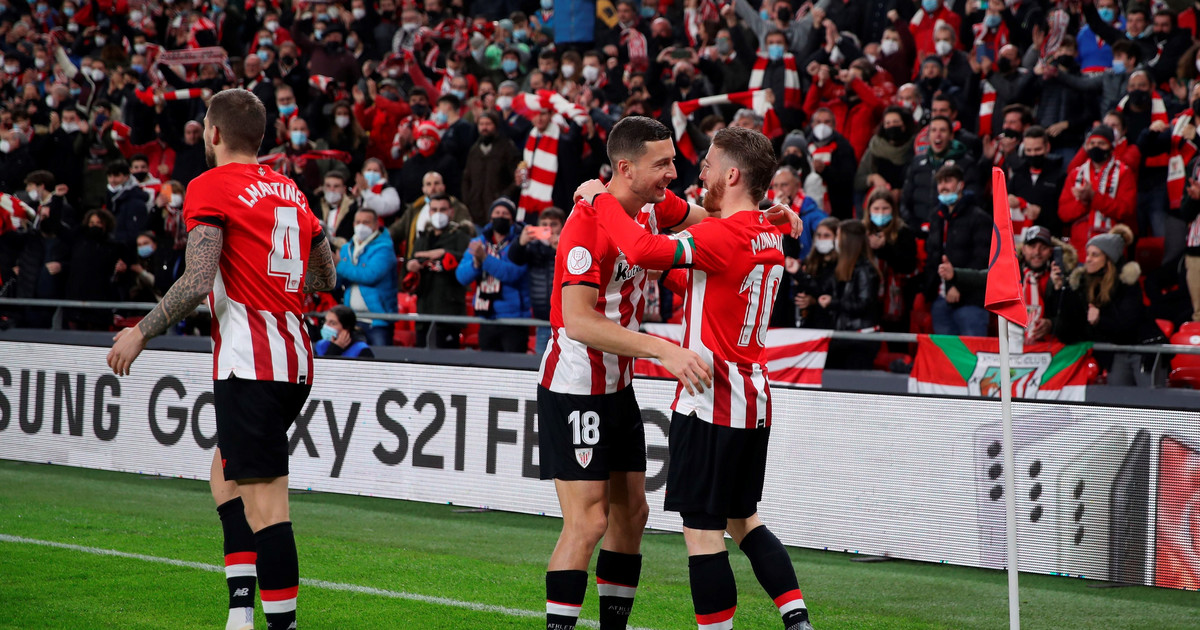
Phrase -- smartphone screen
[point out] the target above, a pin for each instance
(542, 233)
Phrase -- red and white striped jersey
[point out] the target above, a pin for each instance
(732, 269)
(268, 231)
(587, 256)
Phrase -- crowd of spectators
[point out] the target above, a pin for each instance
(439, 142)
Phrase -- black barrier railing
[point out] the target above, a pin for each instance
(526, 321)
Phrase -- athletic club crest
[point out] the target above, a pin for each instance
(583, 456)
(579, 260)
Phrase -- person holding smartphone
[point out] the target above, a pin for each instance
(536, 248)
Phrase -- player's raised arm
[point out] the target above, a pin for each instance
(321, 274)
(203, 258)
(588, 326)
(641, 248)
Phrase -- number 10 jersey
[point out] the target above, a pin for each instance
(257, 297)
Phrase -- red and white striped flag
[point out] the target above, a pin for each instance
(148, 96)
(754, 99)
(795, 356)
(320, 81)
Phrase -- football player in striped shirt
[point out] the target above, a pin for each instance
(591, 439)
(254, 247)
(732, 267)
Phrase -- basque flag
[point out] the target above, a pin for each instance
(1003, 296)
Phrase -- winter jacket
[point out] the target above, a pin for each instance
(1104, 90)
(90, 274)
(810, 214)
(439, 292)
(964, 235)
(919, 199)
(856, 122)
(839, 175)
(538, 257)
(374, 272)
(513, 300)
(404, 230)
(1121, 319)
(887, 160)
(1061, 103)
(418, 165)
(1043, 193)
(1083, 220)
(489, 176)
(901, 254)
(855, 304)
(1019, 86)
(128, 206)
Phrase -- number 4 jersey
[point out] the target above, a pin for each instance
(731, 269)
(268, 232)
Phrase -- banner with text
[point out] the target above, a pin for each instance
(1102, 492)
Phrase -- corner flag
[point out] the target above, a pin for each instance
(1003, 296)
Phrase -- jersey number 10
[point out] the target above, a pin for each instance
(758, 309)
(285, 261)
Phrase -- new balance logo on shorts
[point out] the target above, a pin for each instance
(583, 456)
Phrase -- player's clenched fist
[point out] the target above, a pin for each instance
(687, 366)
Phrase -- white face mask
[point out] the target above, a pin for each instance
(359, 13)
(5, 146)
(135, 16)
(271, 26)
(822, 131)
(342, 121)
(1198, 65)
(333, 197)
(568, 71)
(363, 232)
(39, 63)
(942, 47)
(70, 127)
(176, 200)
(101, 40)
(33, 194)
(889, 46)
(823, 245)
(439, 220)
(139, 49)
(504, 102)
(12, 69)
(591, 73)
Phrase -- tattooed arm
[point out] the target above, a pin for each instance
(203, 259)
(321, 274)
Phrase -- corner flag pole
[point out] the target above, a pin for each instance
(1010, 501)
(1004, 298)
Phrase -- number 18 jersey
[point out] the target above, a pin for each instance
(256, 300)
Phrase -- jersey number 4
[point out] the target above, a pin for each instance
(285, 261)
(762, 288)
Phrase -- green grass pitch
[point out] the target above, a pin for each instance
(482, 559)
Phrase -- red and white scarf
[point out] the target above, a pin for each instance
(286, 165)
(987, 105)
(695, 18)
(1110, 179)
(791, 79)
(754, 99)
(541, 158)
(635, 44)
(1158, 111)
(1181, 153)
(151, 99)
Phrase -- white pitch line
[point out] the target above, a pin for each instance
(332, 586)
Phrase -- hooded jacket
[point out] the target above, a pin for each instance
(514, 279)
(374, 271)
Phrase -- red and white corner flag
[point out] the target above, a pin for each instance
(1003, 296)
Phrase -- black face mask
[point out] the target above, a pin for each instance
(1036, 161)
(141, 177)
(1098, 155)
(1066, 61)
(333, 47)
(95, 232)
(420, 111)
(895, 135)
(932, 84)
(663, 42)
(793, 160)
(1005, 65)
(683, 81)
(501, 225)
(1141, 98)
(1010, 133)
(1196, 108)
(783, 15)
(287, 60)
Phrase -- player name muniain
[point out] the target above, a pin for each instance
(261, 189)
(767, 240)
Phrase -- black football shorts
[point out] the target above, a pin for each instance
(584, 437)
(715, 473)
(253, 418)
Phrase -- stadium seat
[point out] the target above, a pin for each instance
(1166, 326)
(405, 333)
(1149, 253)
(1184, 377)
(1188, 335)
(469, 337)
(1191, 328)
(920, 319)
